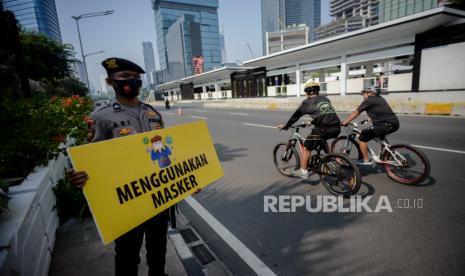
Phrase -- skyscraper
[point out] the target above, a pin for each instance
(349, 15)
(149, 59)
(203, 12)
(390, 10)
(36, 15)
(277, 15)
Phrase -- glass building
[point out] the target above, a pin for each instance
(203, 12)
(149, 59)
(277, 15)
(36, 15)
(390, 10)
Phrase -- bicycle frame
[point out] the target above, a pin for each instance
(385, 146)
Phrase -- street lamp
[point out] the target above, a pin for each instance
(86, 15)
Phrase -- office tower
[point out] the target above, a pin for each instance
(393, 9)
(278, 15)
(149, 59)
(286, 39)
(201, 12)
(36, 15)
(349, 16)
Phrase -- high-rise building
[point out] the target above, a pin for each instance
(349, 15)
(203, 12)
(393, 9)
(149, 59)
(224, 58)
(286, 39)
(36, 15)
(79, 71)
(277, 15)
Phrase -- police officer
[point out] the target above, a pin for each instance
(325, 120)
(126, 115)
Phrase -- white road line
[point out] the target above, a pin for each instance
(249, 124)
(238, 113)
(198, 110)
(203, 118)
(241, 250)
(169, 113)
(440, 149)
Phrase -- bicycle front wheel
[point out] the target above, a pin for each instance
(346, 146)
(339, 174)
(286, 159)
(406, 164)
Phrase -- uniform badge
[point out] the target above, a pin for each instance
(124, 131)
(111, 63)
(116, 107)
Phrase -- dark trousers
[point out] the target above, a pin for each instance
(127, 247)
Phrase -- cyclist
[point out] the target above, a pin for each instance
(325, 120)
(380, 113)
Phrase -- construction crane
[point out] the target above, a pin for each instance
(250, 49)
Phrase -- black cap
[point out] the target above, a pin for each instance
(113, 65)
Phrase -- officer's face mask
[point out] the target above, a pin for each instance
(128, 88)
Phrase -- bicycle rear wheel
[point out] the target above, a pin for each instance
(286, 159)
(348, 147)
(339, 174)
(414, 166)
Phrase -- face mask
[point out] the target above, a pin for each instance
(127, 88)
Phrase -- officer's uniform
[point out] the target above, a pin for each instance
(115, 120)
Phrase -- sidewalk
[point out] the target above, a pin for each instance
(79, 251)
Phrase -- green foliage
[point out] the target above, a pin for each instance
(46, 60)
(66, 88)
(70, 201)
(40, 125)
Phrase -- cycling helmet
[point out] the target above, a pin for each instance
(312, 87)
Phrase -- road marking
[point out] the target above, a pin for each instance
(203, 118)
(241, 250)
(439, 149)
(198, 110)
(169, 113)
(249, 124)
(238, 113)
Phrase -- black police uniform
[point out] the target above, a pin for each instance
(115, 120)
(326, 122)
(384, 119)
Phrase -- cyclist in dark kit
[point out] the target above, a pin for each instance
(325, 120)
(380, 113)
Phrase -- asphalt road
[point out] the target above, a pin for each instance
(413, 241)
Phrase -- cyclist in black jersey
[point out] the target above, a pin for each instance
(325, 120)
(380, 113)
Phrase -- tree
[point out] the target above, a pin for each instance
(67, 87)
(46, 60)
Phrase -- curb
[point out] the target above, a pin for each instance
(195, 255)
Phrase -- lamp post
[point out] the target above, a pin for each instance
(86, 15)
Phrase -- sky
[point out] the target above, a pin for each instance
(121, 34)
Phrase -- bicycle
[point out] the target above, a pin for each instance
(399, 160)
(339, 174)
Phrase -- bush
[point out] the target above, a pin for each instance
(70, 201)
(34, 128)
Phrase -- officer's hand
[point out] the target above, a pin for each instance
(281, 126)
(344, 124)
(77, 179)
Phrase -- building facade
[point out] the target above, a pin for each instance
(203, 12)
(286, 39)
(79, 71)
(149, 59)
(393, 9)
(36, 15)
(278, 15)
(349, 16)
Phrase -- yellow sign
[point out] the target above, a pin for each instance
(135, 177)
